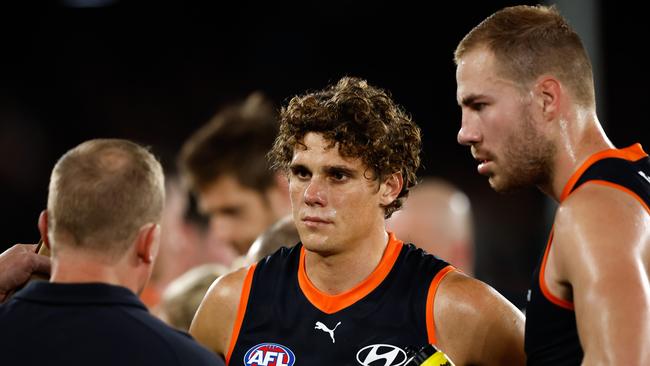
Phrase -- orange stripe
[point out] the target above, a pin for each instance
(431, 295)
(630, 153)
(332, 303)
(542, 283)
(241, 310)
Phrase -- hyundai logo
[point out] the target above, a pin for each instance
(381, 355)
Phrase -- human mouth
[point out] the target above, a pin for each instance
(484, 167)
(315, 221)
(485, 162)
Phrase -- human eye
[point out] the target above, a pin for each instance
(339, 175)
(300, 172)
(478, 106)
(232, 211)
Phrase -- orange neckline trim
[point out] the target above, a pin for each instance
(241, 310)
(330, 304)
(631, 153)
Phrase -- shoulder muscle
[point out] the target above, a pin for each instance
(214, 320)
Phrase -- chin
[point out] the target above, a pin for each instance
(504, 186)
(497, 186)
(312, 241)
(317, 243)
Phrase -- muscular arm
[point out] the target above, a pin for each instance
(17, 264)
(475, 325)
(602, 239)
(213, 323)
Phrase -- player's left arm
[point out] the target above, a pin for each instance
(602, 235)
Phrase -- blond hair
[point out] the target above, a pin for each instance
(101, 192)
(529, 41)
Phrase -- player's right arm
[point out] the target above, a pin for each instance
(216, 317)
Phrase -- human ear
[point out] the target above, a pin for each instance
(147, 242)
(390, 188)
(549, 90)
(43, 227)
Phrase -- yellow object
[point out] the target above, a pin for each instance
(437, 359)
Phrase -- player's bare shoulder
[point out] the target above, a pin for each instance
(603, 220)
(216, 317)
(477, 325)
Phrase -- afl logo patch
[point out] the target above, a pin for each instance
(269, 354)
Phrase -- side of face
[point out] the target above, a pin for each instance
(333, 203)
(238, 214)
(499, 124)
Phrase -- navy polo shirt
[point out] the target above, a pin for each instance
(90, 324)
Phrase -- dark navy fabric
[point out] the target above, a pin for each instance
(90, 324)
(283, 327)
(551, 330)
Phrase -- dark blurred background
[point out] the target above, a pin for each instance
(154, 73)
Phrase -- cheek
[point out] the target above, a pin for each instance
(295, 192)
(501, 122)
(354, 205)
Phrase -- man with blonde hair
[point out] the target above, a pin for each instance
(526, 91)
(102, 226)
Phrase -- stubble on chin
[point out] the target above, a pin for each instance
(526, 156)
(527, 163)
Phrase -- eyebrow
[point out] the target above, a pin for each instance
(334, 169)
(470, 99)
(229, 209)
(328, 169)
(294, 166)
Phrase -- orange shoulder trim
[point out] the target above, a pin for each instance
(241, 310)
(542, 283)
(431, 296)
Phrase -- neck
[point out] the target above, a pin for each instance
(336, 273)
(88, 268)
(579, 135)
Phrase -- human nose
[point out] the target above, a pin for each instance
(315, 193)
(469, 133)
(223, 228)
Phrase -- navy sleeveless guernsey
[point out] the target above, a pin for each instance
(551, 330)
(283, 320)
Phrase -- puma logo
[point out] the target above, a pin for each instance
(642, 174)
(325, 329)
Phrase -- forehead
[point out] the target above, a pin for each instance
(225, 190)
(316, 150)
(476, 75)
